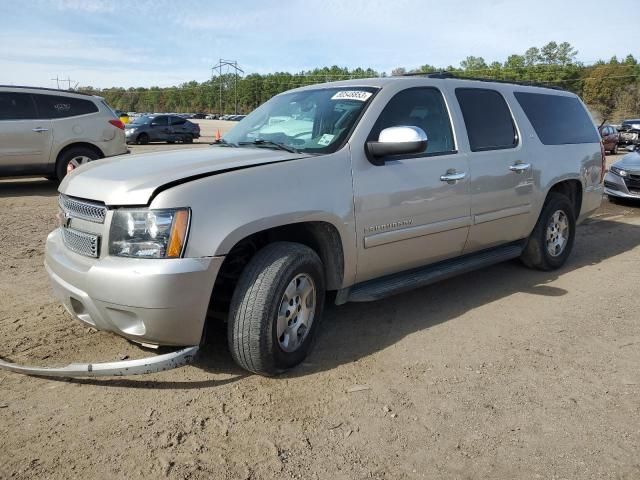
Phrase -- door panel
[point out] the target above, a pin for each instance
(406, 216)
(501, 171)
(25, 141)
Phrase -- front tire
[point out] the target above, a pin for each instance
(551, 241)
(276, 308)
(614, 151)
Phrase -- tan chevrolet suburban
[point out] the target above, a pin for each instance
(366, 188)
(49, 132)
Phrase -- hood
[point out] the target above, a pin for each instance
(133, 179)
(630, 161)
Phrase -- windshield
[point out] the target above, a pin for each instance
(312, 121)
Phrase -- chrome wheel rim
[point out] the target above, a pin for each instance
(75, 162)
(557, 233)
(295, 313)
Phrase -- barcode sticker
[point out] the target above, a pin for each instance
(359, 95)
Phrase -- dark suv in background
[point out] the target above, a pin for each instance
(161, 128)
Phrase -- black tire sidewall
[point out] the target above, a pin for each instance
(143, 139)
(285, 360)
(66, 157)
(255, 303)
(557, 202)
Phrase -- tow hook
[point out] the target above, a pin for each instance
(159, 363)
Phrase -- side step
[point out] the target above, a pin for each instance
(404, 281)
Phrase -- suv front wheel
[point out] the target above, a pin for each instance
(276, 308)
(551, 241)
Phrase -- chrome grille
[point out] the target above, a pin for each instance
(82, 243)
(83, 209)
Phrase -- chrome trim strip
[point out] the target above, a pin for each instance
(140, 366)
(416, 231)
(503, 213)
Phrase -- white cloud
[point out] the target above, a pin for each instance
(91, 6)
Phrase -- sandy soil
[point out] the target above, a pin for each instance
(502, 373)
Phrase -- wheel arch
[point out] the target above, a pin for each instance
(570, 188)
(88, 145)
(321, 236)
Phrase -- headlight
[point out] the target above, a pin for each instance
(149, 233)
(618, 171)
(129, 131)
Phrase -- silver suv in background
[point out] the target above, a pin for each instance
(50, 132)
(366, 188)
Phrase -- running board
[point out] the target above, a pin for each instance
(379, 288)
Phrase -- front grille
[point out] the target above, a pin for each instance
(83, 209)
(82, 243)
(611, 185)
(632, 181)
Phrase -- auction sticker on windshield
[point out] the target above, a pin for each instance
(359, 95)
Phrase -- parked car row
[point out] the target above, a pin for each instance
(613, 136)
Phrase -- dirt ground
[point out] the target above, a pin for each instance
(502, 373)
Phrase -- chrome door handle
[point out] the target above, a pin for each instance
(40, 129)
(520, 167)
(452, 176)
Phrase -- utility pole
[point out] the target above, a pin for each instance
(229, 64)
(67, 81)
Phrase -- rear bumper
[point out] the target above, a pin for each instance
(158, 302)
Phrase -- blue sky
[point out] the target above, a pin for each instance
(166, 42)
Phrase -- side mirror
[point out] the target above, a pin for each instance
(403, 140)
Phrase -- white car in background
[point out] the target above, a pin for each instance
(50, 132)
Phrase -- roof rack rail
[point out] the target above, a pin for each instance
(48, 89)
(452, 75)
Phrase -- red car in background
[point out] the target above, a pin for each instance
(610, 138)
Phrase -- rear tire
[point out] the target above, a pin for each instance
(276, 308)
(551, 241)
(74, 157)
(614, 151)
(187, 139)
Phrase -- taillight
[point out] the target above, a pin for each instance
(117, 124)
(604, 162)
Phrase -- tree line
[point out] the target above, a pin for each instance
(610, 88)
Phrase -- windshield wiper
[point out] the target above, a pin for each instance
(269, 143)
(224, 143)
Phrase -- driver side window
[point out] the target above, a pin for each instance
(421, 107)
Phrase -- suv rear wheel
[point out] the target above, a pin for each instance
(551, 241)
(276, 308)
(72, 159)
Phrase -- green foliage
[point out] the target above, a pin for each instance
(610, 88)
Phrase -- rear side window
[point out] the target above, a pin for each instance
(55, 106)
(16, 106)
(557, 119)
(177, 121)
(487, 118)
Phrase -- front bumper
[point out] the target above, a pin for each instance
(151, 301)
(615, 186)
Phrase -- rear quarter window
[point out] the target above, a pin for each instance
(558, 119)
(54, 106)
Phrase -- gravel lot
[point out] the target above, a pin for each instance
(502, 373)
